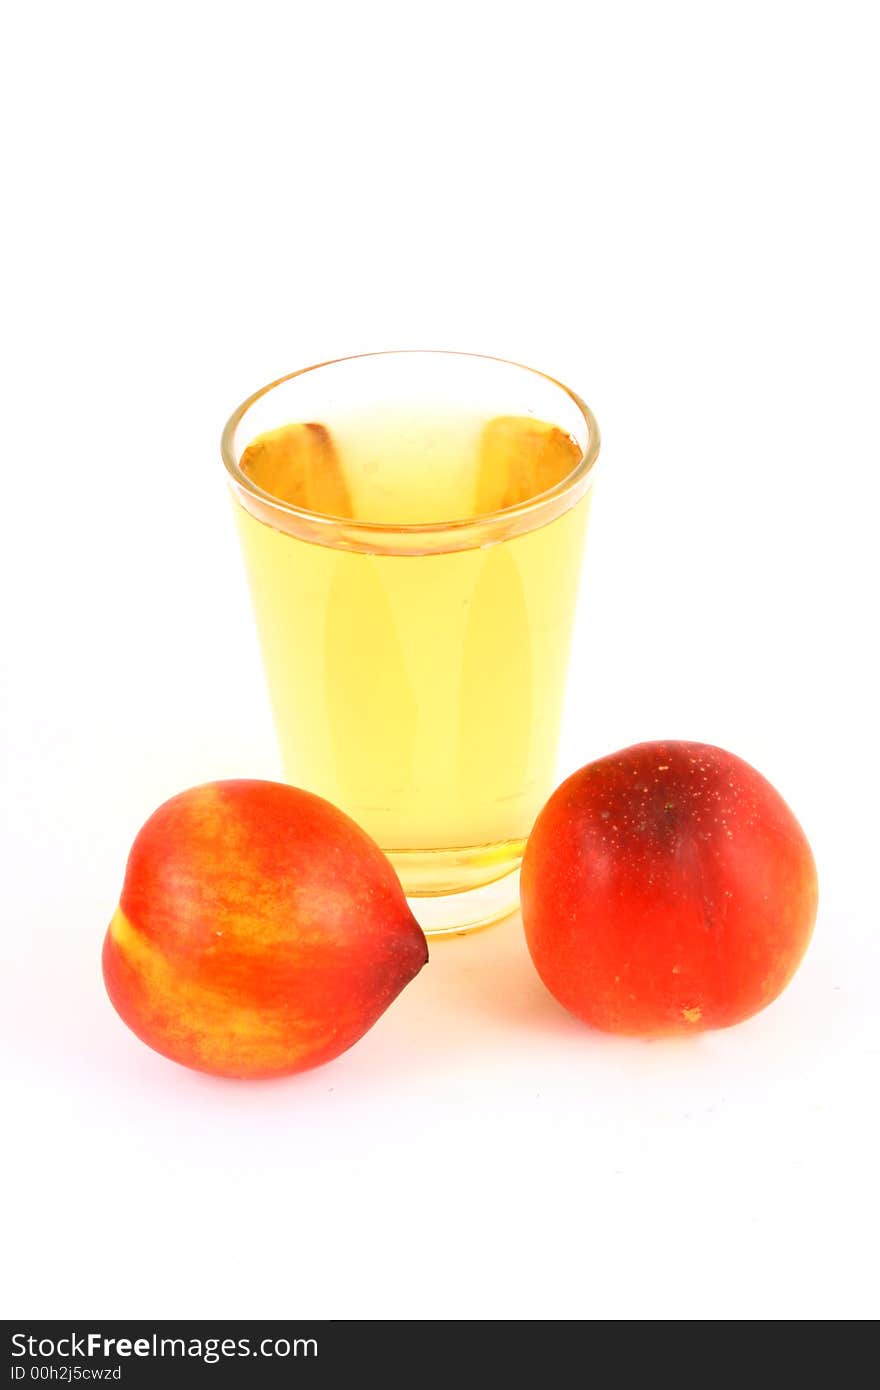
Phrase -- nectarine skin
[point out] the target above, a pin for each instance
(259, 932)
(667, 889)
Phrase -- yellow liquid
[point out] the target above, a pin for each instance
(420, 693)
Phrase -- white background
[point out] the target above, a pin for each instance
(672, 207)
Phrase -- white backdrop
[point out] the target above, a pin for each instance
(671, 207)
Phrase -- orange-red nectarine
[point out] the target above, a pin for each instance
(666, 889)
(259, 931)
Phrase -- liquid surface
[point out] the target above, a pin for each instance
(429, 469)
(420, 693)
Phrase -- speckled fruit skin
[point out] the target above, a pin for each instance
(667, 889)
(259, 932)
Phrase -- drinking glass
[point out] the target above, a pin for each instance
(412, 525)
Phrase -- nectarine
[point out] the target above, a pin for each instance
(259, 931)
(666, 889)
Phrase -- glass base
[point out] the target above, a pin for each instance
(459, 890)
(425, 873)
(450, 914)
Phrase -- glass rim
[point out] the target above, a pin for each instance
(423, 537)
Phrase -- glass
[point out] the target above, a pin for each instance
(412, 526)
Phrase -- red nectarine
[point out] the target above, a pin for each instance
(259, 931)
(666, 889)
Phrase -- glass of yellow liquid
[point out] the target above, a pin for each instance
(412, 526)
